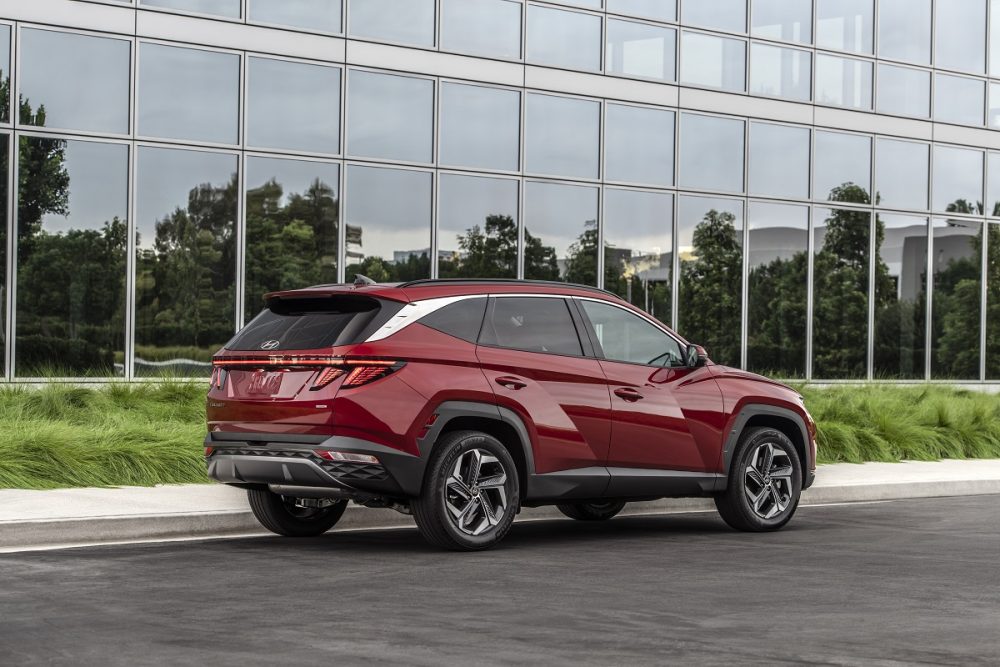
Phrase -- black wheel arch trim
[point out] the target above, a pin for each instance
(748, 412)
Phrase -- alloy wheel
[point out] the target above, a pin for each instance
(475, 493)
(768, 480)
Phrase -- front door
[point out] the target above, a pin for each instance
(665, 415)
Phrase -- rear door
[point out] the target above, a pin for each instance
(533, 356)
(666, 416)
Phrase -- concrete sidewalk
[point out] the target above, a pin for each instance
(92, 516)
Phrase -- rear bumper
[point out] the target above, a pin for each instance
(290, 460)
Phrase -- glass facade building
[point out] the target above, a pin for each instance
(809, 188)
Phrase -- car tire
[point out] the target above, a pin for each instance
(280, 515)
(592, 511)
(765, 482)
(471, 493)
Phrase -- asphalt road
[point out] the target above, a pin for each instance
(877, 584)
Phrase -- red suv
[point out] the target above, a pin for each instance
(461, 401)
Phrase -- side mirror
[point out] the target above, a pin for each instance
(695, 356)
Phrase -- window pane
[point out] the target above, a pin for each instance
(4, 173)
(560, 232)
(904, 30)
(629, 338)
(564, 39)
(638, 145)
(189, 94)
(957, 303)
(293, 214)
(5, 76)
(713, 62)
(992, 302)
(845, 25)
(562, 136)
(901, 174)
(903, 91)
(778, 260)
(477, 227)
(461, 319)
(711, 252)
(779, 72)
(900, 297)
(995, 37)
(788, 20)
(840, 293)
(843, 82)
(843, 167)
(958, 100)
(82, 82)
(961, 35)
(482, 27)
(319, 15)
(185, 259)
(638, 248)
(779, 161)
(388, 237)
(993, 187)
(993, 114)
(72, 235)
(293, 105)
(958, 180)
(480, 127)
(661, 10)
(390, 117)
(533, 325)
(711, 153)
(404, 21)
(728, 15)
(229, 8)
(638, 49)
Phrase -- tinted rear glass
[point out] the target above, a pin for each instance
(532, 324)
(307, 324)
(461, 319)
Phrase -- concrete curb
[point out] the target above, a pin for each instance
(41, 533)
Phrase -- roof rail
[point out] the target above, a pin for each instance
(429, 282)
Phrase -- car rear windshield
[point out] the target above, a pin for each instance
(313, 323)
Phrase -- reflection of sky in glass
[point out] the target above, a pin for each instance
(904, 91)
(777, 231)
(714, 62)
(845, 25)
(166, 178)
(958, 175)
(480, 126)
(638, 49)
(711, 153)
(993, 185)
(901, 169)
(392, 207)
(843, 82)
(321, 15)
(960, 35)
(904, 30)
(293, 105)
(466, 201)
(405, 21)
(786, 20)
(562, 136)
(188, 94)
(663, 10)
(563, 39)
(391, 116)
(82, 81)
(780, 72)
(482, 27)
(692, 212)
(958, 100)
(98, 186)
(840, 159)
(558, 214)
(638, 145)
(294, 176)
(5, 65)
(229, 8)
(728, 15)
(904, 249)
(779, 160)
(641, 222)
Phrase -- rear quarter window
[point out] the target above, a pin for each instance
(462, 319)
(313, 323)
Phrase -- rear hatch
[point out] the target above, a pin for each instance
(279, 373)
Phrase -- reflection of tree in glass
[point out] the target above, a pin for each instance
(485, 252)
(581, 257)
(184, 282)
(900, 332)
(776, 339)
(956, 312)
(710, 287)
(993, 302)
(72, 325)
(292, 244)
(627, 274)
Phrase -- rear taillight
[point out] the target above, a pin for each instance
(326, 376)
(359, 371)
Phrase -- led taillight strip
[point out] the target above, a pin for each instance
(281, 361)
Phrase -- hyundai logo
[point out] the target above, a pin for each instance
(269, 345)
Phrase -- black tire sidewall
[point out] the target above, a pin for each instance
(273, 514)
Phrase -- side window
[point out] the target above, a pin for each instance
(461, 319)
(627, 337)
(532, 324)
